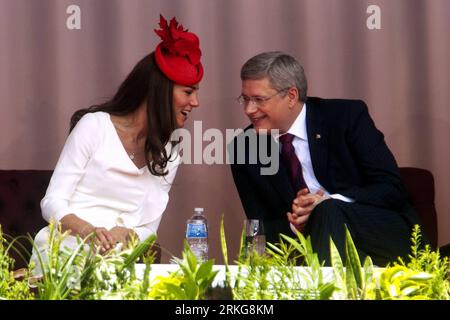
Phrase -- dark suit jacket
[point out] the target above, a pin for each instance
(349, 157)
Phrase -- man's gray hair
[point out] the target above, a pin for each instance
(282, 70)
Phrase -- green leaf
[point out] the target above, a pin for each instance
(298, 246)
(274, 248)
(177, 291)
(421, 276)
(140, 249)
(409, 290)
(353, 261)
(223, 242)
(338, 267)
(204, 270)
(326, 291)
(241, 258)
(192, 290)
(242, 249)
(206, 282)
(352, 287)
(188, 273)
(188, 262)
(368, 275)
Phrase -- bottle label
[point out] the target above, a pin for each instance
(196, 230)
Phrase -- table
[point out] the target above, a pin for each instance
(219, 280)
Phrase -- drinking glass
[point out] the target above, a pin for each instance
(255, 238)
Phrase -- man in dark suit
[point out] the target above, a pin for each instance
(335, 168)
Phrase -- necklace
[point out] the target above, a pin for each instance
(131, 155)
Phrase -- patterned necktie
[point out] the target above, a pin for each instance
(290, 159)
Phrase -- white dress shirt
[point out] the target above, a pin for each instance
(96, 180)
(301, 146)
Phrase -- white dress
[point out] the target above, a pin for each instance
(96, 180)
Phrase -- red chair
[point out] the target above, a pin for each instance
(20, 213)
(419, 184)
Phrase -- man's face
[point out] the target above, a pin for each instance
(266, 107)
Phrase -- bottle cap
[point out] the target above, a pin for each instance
(199, 210)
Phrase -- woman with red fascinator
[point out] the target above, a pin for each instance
(117, 166)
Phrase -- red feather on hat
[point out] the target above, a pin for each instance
(178, 41)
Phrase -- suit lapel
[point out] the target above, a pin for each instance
(280, 180)
(318, 148)
(317, 141)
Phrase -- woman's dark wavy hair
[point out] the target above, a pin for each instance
(144, 83)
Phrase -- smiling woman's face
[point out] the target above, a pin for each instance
(185, 98)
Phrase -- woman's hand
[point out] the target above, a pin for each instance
(77, 226)
(121, 234)
(104, 239)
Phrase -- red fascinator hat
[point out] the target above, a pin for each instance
(178, 54)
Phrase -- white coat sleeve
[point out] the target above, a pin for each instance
(78, 149)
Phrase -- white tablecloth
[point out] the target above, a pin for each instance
(166, 269)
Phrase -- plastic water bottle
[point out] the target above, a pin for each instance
(197, 235)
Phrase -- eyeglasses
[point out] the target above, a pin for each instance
(259, 101)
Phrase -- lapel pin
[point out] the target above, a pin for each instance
(318, 136)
